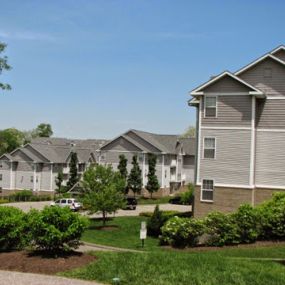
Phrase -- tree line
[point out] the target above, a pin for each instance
(12, 138)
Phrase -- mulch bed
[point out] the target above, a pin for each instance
(258, 244)
(36, 262)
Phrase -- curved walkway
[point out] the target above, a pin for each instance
(19, 278)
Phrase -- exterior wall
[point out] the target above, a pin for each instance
(226, 84)
(142, 142)
(271, 86)
(23, 175)
(226, 200)
(45, 177)
(270, 157)
(232, 110)
(270, 114)
(280, 54)
(5, 171)
(232, 162)
(188, 168)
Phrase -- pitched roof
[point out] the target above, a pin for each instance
(162, 142)
(199, 89)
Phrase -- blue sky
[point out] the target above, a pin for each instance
(94, 69)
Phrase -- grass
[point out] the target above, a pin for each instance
(182, 268)
(125, 233)
(153, 201)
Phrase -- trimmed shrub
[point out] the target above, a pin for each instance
(155, 222)
(55, 228)
(4, 201)
(221, 229)
(182, 232)
(22, 196)
(187, 197)
(272, 217)
(247, 220)
(12, 228)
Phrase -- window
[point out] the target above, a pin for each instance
(210, 109)
(209, 147)
(207, 190)
(32, 179)
(1, 177)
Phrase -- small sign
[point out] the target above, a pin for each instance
(143, 234)
(143, 226)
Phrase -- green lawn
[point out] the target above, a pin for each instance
(126, 235)
(154, 201)
(186, 268)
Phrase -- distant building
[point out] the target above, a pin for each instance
(175, 157)
(35, 166)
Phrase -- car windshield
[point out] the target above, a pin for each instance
(57, 202)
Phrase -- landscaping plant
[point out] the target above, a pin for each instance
(152, 181)
(12, 228)
(135, 177)
(55, 228)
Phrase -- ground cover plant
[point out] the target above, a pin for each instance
(119, 232)
(170, 268)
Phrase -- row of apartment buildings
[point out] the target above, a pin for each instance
(237, 156)
(36, 165)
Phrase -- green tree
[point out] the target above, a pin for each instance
(189, 133)
(58, 181)
(122, 167)
(43, 130)
(10, 139)
(73, 172)
(152, 183)
(135, 177)
(102, 190)
(4, 66)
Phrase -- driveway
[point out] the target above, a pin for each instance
(18, 278)
(26, 206)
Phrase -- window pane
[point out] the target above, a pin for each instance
(209, 143)
(210, 102)
(207, 195)
(209, 153)
(210, 112)
(208, 184)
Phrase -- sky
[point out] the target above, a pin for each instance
(94, 69)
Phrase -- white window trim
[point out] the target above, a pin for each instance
(208, 158)
(201, 192)
(210, 96)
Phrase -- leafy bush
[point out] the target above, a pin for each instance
(24, 195)
(4, 201)
(221, 229)
(168, 214)
(187, 197)
(182, 232)
(247, 220)
(55, 228)
(12, 228)
(272, 217)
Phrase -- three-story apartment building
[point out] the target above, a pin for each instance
(240, 135)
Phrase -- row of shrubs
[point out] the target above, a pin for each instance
(24, 196)
(52, 229)
(246, 225)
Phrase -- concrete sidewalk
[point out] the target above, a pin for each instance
(19, 278)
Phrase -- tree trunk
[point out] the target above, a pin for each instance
(150, 195)
(104, 218)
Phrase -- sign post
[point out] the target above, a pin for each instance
(143, 232)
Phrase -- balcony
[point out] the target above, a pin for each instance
(173, 163)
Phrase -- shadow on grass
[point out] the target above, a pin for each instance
(54, 254)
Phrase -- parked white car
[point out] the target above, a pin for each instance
(72, 203)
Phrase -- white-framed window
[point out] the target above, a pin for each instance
(210, 107)
(209, 149)
(207, 190)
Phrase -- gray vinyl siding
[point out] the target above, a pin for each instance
(232, 162)
(142, 142)
(227, 84)
(274, 86)
(280, 54)
(45, 177)
(232, 110)
(270, 114)
(188, 168)
(6, 174)
(121, 144)
(270, 158)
